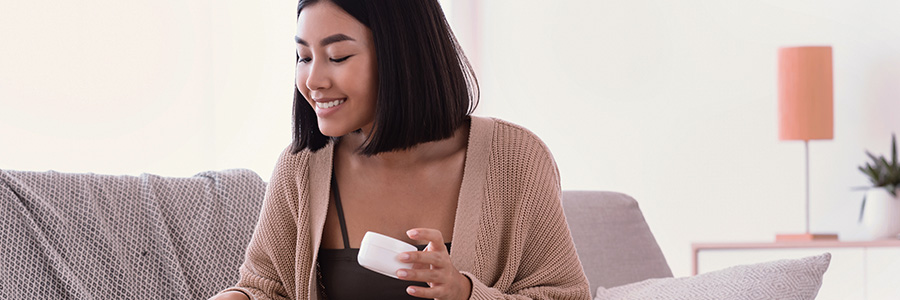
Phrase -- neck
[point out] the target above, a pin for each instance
(417, 155)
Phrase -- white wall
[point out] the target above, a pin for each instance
(675, 103)
(165, 87)
(672, 102)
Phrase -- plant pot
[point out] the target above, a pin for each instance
(881, 215)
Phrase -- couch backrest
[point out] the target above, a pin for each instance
(90, 236)
(612, 239)
(87, 236)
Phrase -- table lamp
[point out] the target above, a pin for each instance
(805, 109)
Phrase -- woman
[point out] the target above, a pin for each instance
(383, 142)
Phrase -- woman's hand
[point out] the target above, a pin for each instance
(434, 267)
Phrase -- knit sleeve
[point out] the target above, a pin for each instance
(269, 256)
(538, 256)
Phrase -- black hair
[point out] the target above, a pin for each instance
(426, 86)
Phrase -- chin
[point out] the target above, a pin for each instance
(333, 131)
(341, 127)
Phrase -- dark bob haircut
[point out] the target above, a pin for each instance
(426, 86)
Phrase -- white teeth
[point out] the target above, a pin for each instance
(329, 104)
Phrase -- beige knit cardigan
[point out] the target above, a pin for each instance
(510, 235)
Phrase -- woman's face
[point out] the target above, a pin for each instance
(336, 72)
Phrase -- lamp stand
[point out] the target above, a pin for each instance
(807, 236)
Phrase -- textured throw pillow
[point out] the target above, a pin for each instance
(781, 279)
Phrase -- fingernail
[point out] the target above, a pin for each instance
(410, 290)
(412, 232)
(403, 256)
(401, 274)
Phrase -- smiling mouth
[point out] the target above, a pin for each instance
(330, 104)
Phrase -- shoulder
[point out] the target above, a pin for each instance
(294, 176)
(513, 141)
(294, 167)
(511, 132)
(288, 162)
(516, 155)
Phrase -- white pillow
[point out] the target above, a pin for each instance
(781, 279)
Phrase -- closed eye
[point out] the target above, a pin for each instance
(337, 60)
(304, 60)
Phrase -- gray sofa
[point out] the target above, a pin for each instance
(612, 239)
(90, 236)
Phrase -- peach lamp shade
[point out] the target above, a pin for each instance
(805, 93)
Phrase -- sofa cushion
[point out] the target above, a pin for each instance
(781, 279)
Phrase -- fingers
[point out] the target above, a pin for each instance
(432, 236)
(434, 267)
(436, 259)
(455, 286)
(422, 275)
(424, 292)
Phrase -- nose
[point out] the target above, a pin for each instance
(317, 78)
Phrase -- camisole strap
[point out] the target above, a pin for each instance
(340, 210)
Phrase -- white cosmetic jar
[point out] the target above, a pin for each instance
(379, 252)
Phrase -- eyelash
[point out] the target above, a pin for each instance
(336, 60)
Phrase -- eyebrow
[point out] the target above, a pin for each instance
(340, 37)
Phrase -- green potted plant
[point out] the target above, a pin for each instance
(882, 216)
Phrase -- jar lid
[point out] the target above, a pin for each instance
(376, 239)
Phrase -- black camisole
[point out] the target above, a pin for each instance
(341, 276)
